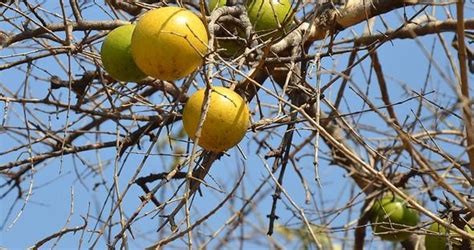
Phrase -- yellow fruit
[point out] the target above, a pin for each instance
(116, 56)
(226, 121)
(169, 43)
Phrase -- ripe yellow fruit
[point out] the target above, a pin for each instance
(116, 56)
(226, 121)
(169, 43)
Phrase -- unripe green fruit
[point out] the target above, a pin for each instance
(230, 48)
(438, 238)
(229, 42)
(389, 216)
(232, 43)
(265, 15)
(116, 56)
(214, 4)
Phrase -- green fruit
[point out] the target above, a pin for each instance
(265, 15)
(231, 43)
(438, 239)
(116, 56)
(390, 215)
(230, 40)
(214, 4)
(230, 48)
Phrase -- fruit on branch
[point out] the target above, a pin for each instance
(438, 238)
(116, 56)
(226, 121)
(230, 39)
(390, 216)
(231, 43)
(268, 15)
(169, 43)
(214, 4)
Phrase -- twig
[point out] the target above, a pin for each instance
(59, 234)
(464, 84)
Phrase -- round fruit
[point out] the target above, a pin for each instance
(226, 121)
(389, 216)
(438, 238)
(231, 42)
(230, 47)
(116, 56)
(262, 14)
(169, 43)
(214, 4)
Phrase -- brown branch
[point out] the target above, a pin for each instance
(198, 175)
(411, 31)
(128, 141)
(64, 151)
(109, 114)
(135, 137)
(464, 84)
(30, 59)
(281, 162)
(330, 20)
(201, 220)
(76, 26)
(362, 225)
(96, 122)
(362, 10)
(59, 234)
(142, 181)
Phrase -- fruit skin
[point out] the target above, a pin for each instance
(230, 41)
(226, 121)
(169, 43)
(214, 4)
(228, 47)
(261, 14)
(391, 214)
(116, 56)
(231, 45)
(438, 242)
